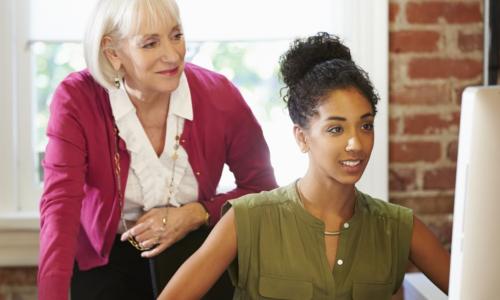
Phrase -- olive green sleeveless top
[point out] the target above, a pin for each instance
(281, 249)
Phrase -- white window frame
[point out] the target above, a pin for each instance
(7, 112)
(19, 220)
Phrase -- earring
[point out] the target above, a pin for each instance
(117, 82)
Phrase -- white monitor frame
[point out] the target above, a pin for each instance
(475, 262)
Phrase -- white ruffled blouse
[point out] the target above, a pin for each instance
(149, 175)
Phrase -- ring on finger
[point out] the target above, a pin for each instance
(164, 220)
(163, 224)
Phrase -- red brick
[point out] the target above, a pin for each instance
(24, 293)
(433, 68)
(413, 41)
(440, 179)
(470, 42)
(393, 11)
(393, 126)
(432, 123)
(442, 204)
(18, 276)
(414, 151)
(402, 179)
(421, 94)
(451, 12)
(452, 151)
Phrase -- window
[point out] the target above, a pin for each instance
(44, 46)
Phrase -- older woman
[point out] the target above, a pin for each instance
(137, 145)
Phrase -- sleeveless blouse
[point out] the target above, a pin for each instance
(281, 249)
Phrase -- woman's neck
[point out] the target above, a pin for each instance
(327, 199)
(145, 102)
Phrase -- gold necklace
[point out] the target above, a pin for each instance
(301, 202)
(168, 194)
(170, 189)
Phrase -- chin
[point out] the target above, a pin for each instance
(347, 179)
(167, 86)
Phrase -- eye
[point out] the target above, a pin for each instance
(367, 126)
(149, 45)
(178, 36)
(335, 130)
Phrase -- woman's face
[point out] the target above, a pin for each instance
(153, 60)
(340, 137)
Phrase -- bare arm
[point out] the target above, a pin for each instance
(195, 277)
(429, 256)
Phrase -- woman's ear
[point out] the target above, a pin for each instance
(110, 53)
(301, 138)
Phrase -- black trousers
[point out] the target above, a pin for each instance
(128, 275)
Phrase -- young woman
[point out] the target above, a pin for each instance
(319, 237)
(137, 144)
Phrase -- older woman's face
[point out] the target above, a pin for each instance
(153, 60)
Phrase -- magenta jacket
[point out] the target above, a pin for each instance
(79, 209)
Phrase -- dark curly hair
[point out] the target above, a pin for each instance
(315, 66)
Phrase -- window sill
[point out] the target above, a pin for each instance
(19, 244)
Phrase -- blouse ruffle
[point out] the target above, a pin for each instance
(153, 173)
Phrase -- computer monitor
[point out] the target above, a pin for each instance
(475, 251)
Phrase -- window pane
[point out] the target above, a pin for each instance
(52, 62)
(59, 20)
(219, 20)
(252, 66)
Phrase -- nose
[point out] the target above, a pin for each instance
(353, 144)
(170, 53)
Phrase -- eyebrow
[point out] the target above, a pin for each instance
(148, 35)
(367, 115)
(155, 35)
(339, 118)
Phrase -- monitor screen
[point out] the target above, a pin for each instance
(475, 252)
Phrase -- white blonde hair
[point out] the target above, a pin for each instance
(119, 19)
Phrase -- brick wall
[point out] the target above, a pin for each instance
(435, 51)
(18, 284)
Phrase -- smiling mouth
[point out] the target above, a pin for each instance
(170, 72)
(350, 163)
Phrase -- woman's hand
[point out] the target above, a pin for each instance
(161, 227)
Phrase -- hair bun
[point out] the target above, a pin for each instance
(306, 53)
